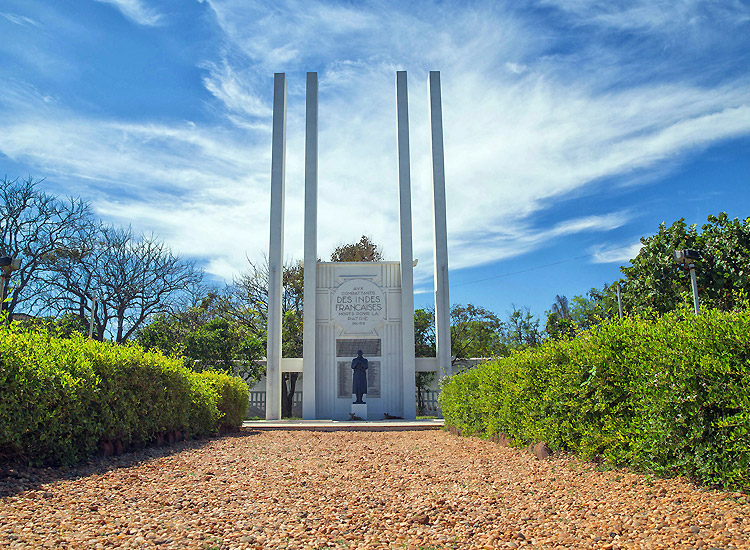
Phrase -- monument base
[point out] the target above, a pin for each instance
(359, 411)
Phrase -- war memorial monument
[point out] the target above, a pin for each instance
(358, 324)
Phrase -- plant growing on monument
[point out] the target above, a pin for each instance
(362, 251)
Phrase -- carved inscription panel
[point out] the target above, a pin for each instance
(358, 306)
(345, 379)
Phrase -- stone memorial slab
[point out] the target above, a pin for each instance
(348, 347)
(358, 306)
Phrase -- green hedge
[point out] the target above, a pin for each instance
(232, 397)
(60, 398)
(669, 395)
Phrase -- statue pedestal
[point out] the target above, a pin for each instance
(360, 410)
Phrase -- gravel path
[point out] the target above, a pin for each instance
(415, 490)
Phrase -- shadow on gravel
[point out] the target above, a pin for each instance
(17, 478)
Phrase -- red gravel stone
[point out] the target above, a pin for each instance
(411, 490)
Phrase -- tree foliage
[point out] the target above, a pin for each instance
(523, 329)
(248, 303)
(424, 332)
(247, 299)
(559, 321)
(207, 338)
(362, 251)
(580, 313)
(654, 282)
(64, 326)
(475, 332)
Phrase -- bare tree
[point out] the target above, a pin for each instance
(132, 278)
(561, 307)
(248, 297)
(247, 301)
(34, 227)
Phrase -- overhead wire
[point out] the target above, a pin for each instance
(534, 268)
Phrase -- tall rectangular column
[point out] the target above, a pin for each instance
(407, 254)
(311, 248)
(276, 250)
(442, 298)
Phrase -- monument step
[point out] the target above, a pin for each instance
(343, 425)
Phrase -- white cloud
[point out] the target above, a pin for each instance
(523, 128)
(199, 188)
(235, 90)
(223, 233)
(605, 254)
(136, 11)
(516, 68)
(656, 16)
(21, 20)
(518, 238)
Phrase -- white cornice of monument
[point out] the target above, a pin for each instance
(358, 306)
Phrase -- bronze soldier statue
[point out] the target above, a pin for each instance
(359, 380)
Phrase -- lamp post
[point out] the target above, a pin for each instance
(7, 265)
(687, 258)
(93, 313)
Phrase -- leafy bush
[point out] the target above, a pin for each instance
(233, 396)
(667, 395)
(59, 398)
(204, 410)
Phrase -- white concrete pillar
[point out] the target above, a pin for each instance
(442, 298)
(276, 250)
(407, 254)
(311, 247)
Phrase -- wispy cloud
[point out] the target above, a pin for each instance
(137, 11)
(199, 188)
(606, 254)
(21, 20)
(530, 118)
(656, 16)
(236, 90)
(519, 237)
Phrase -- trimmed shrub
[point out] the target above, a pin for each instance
(59, 398)
(233, 396)
(204, 410)
(668, 395)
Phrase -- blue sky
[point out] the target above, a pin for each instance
(572, 128)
